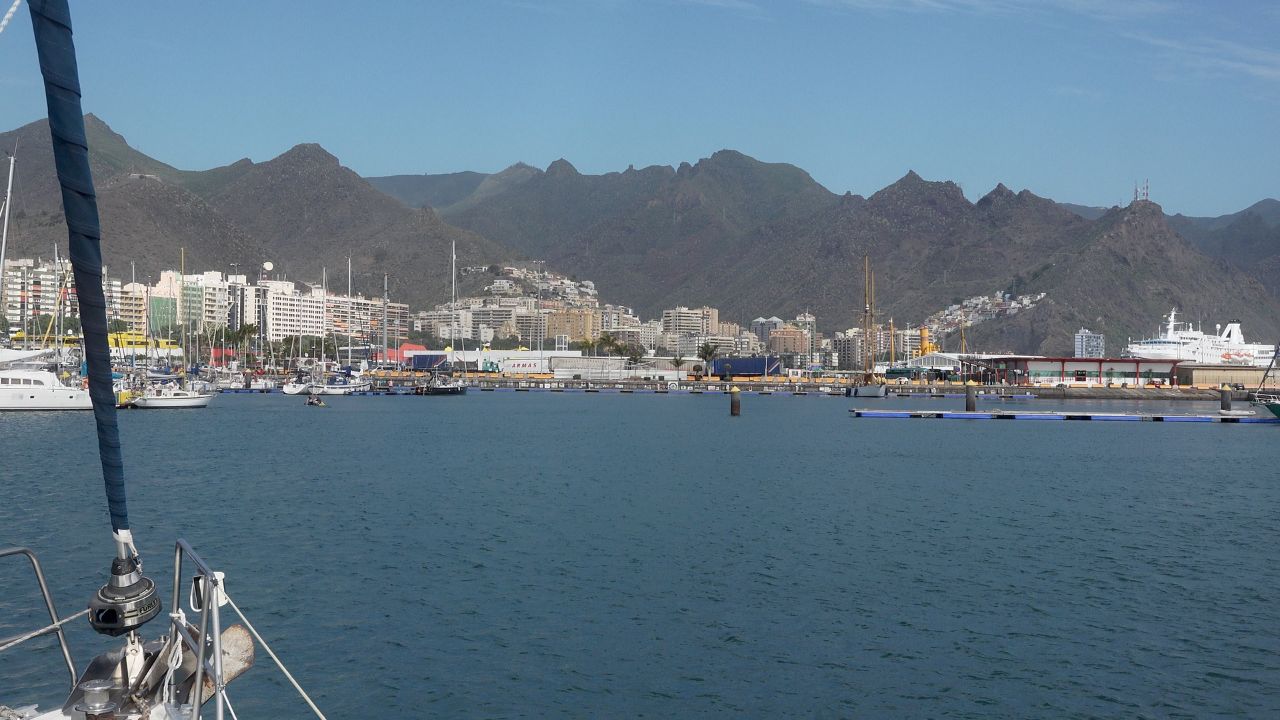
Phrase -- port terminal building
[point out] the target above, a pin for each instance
(1115, 372)
(1077, 371)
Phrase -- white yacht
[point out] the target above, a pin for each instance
(26, 385)
(1182, 342)
(24, 389)
(166, 396)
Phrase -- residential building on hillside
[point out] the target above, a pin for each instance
(580, 324)
(645, 335)
(688, 345)
(789, 340)
(761, 327)
(132, 308)
(691, 321)
(31, 288)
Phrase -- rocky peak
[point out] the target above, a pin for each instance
(562, 168)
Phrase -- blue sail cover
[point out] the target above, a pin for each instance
(51, 20)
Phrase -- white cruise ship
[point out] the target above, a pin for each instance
(1181, 342)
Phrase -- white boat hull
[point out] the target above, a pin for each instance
(22, 389)
(44, 399)
(339, 389)
(156, 402)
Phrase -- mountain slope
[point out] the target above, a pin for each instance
(302, 210)
(650, 237)
(145, 218)
(316, 213)
(434, 191)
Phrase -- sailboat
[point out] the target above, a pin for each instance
(439, 383)
(870, 385)
(1268, 401)
(175, 672)
(175, 394)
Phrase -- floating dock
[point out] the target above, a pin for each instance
(1099, 416)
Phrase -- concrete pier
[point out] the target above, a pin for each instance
(1266, 419)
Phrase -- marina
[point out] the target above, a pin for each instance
(578, 526)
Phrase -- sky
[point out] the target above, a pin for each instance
(1072, 99)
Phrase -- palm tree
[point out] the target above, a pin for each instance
(609, 343)
(678, 362)
(706, 353)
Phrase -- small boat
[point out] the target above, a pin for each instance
(337, 385)
(158, 397)
(315, 401)
(262, 384)
(1268, 401)
(876, 390)
(341, 385)
(1271, 403)
(440, 384)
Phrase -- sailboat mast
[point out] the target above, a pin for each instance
(181, 304)
(350, 312)
(385, 340)
(4, 241)
(866, 316)
(324, 311)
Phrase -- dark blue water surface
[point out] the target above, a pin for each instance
(606, 555)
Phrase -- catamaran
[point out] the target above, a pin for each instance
(27, 385)
(175, 672)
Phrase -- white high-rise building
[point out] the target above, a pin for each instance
(1090, 344)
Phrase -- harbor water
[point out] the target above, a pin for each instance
(605, 555)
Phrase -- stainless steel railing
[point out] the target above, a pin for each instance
(56, 626)
(208, 615)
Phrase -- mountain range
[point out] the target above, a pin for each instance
(749, 237)
(303, 211)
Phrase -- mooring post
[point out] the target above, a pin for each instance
(1225, 396)
(970, 398)
(735, 402)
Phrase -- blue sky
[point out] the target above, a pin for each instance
(1073, 99)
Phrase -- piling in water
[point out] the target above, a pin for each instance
(970, 398)
(735, 402)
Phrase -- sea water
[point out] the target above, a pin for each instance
(642, 555)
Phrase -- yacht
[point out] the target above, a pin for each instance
(25, 384)
(441, 384)
(1182, 342)
(335, 385)
(24, 389)
(165, 396)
